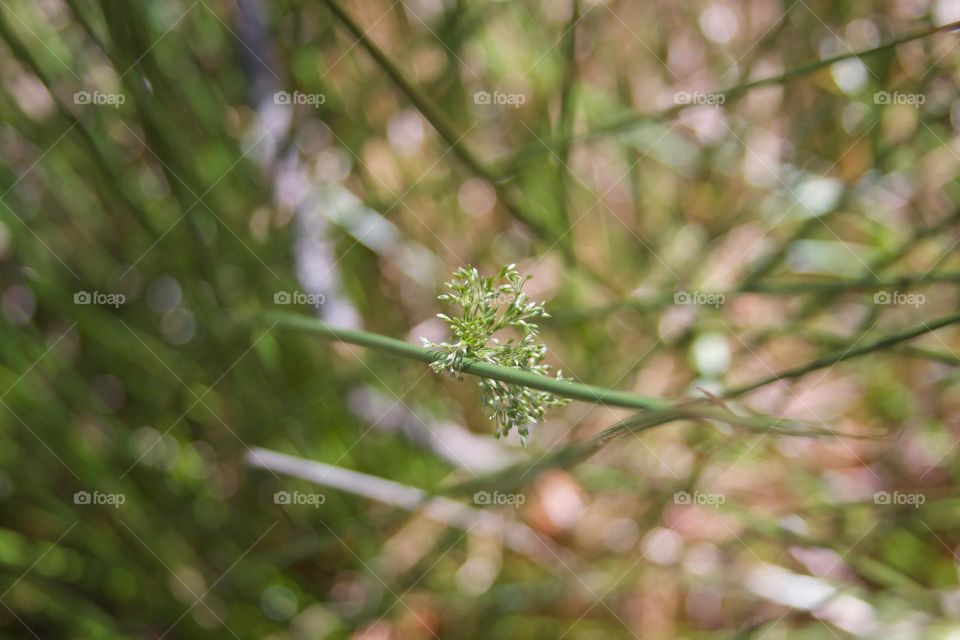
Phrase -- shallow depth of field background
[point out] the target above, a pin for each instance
(170, 171)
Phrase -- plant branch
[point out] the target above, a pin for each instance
(437, 119)
(572, 390)
(576, 452)
(658, 411)
(869, 283)
(633, 119)
(847, 354)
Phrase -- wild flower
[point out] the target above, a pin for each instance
(490, 306)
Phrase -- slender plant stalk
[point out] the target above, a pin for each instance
(847, 354)
(797, 330)
(436, 117)
(889, 258)
(568, 112)
(576, 452)
(658, 411)
(691, 409)
(633, 119)
(870, 283)
(421, 101)
(449, 133)
(106, 163)
(572, 390)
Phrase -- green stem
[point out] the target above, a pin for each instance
(438, 120)
(633, 119)
(568, 109)
(579, 450)
(840, 356)
(869, 283)
(796, 330)
(426, 106)
(655, 411)
(572, 390)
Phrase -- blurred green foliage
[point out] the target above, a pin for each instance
(142, 154)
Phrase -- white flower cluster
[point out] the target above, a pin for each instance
(488, 308)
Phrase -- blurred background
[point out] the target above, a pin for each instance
(706, 194)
